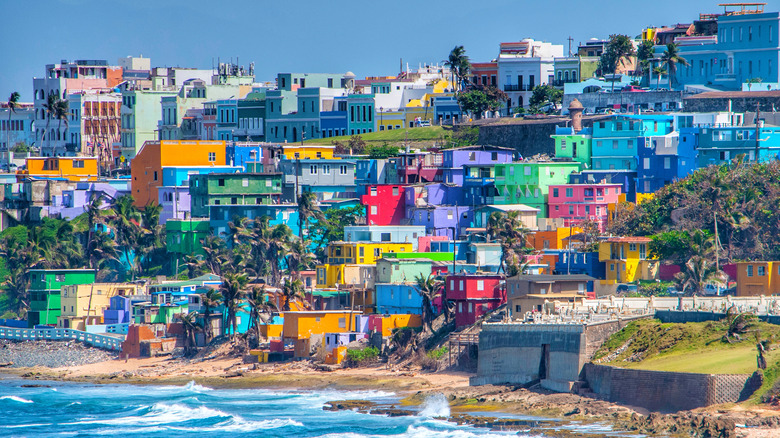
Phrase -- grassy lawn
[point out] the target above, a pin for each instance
(737, 360)
(428, 133)
(691, 348)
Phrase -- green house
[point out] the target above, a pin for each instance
(183, 237)
(527, 182)
(577, 147)
(233, 189)
(395, 270)
(45, 286)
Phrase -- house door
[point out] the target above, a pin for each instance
(544, 363)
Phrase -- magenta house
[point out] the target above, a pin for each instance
(576, 203)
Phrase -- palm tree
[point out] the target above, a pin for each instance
(232, 290)
(50, 107)
(298, 257)
(670, 59)
(278, 244)
(292, 290)
(239, 230)
(508, 229)
(61, 112)
(428, 288)
(126, 221)
(260, 309)
(658, 71)
(13, 103)
(644, 54)
(211, 300)
(215, 254)
(190, 325)
(459, 65)
(697, 272)
(307, 210)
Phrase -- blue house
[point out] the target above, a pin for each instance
(398, 298)
(334, 123)
(479, 184)
(454, 159)
(614, 144)
(745, 47)
(239, 154)
(665, 159)
(718, 145)
(220, 215)
(372, 171)
(581, 263)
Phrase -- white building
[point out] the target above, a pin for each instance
(524, 65)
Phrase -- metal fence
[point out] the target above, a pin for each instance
(61, 334)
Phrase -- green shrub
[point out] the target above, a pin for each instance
(438, 353)
(358, 356)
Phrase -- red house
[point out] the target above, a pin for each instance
(419, 167)
(384, 204)
(474, 295)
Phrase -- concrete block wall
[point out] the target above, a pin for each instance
(664, 391)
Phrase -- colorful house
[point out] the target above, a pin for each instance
(419, 167)
(529, 293)
(664, 159)
(385, 204)
(528, 182)
(233, 189)
(68, 168)
(441, 220)
(327, 178)
(615, 140)
(626, 179)
(385, 233)
(474, 296)
(84, 304)
(577, 203)
(307, 152)
(394, 270)
(758, 278)
(183, 237)
(626, 260)
(527, 215)
(300, 326)
(576, 146)
(147, 167)
(45, 292)
(398, 298)
(454, 159)
(587, 263)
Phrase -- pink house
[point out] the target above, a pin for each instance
(424, 242)
(576, 203)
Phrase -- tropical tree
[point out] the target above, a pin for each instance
(292, 290)
(50, 108)
(298, 256)
(260, 309)
(658, 71)
(308, 210)
(477, 101)
(508, 229)
(232, 291)
(459, 65)
(429, 288)
(696, 273)
(331, 229)
(616, 53)
(61, 112)
(644, 54)
(671, 58)
(211, 300)
(189, 323)
(751, 81)
(13, 103)
(125, 219)
(545, 94)
(216, 254)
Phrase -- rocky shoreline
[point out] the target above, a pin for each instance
(72, 361)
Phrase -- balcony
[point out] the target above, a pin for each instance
(516, 87)
(725, 77)
(474, 180)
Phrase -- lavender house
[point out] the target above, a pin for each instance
(433, 194)
(454, 159)
(441, 220)
(175, 203)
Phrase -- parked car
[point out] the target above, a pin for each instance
(633, 89)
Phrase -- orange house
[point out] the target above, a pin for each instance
(70, 168)
(758, 278)
(541, 240)
(146, 169)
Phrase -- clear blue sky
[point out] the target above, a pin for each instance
(332, 36)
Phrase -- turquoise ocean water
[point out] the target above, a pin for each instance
(87, 410)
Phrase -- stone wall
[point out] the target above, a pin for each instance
(666, 391)
(593, 101)
(527, 138)
(680, 317)
(740, 102)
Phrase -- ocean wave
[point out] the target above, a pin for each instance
(161, 413)
(414, 431)
(194, 387)
(435, 405)
(16, 399)
(238, 424)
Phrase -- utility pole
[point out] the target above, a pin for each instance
(758, 131)
(717, 242)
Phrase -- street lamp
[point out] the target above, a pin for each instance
(381, 122)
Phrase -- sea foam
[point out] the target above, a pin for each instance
(435, 406)
(16, 399)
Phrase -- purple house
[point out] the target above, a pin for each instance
(454, 159)
(119, 310)
(175, 202)
(441, 220)
(432, 194)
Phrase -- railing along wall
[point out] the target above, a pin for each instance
(61, 334)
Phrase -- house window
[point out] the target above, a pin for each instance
(325, 169)
(646, 163)
(221, 182)
(480, 284)
(155, 175)
(460, 285)
(460, 307)
(212, 157)
(472, 156)
(373, 209)
(245, 182)
(395, 191)
(342, 170)
(571, 209)
(555, 193)
(569, 192)
(313, 169)
(452, 284)
(750, 270)
(667, 163)
(527, 170)
(632, 246)
(373, 191)
(761, 271)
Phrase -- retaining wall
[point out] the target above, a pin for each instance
(58, 334)
(666, 391)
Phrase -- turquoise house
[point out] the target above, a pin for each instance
(615, 140)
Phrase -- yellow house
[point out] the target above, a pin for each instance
(300, 326)
(333, 276)
(83, 304)
(553, 239)
(392, 322)
(362, 253)
(307, 152)
(70, 168)
(389, 120)
(626, 260)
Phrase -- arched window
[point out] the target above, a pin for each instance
(295, 134)
(574, 75)
(566, 76)
(560, 76)
(520, 101)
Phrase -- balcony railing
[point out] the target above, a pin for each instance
(515, 87)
